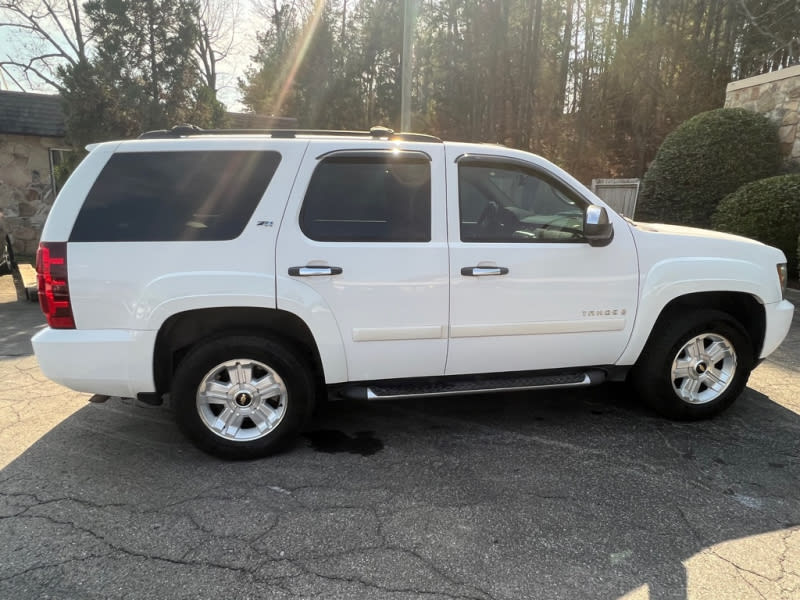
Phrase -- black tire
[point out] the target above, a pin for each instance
(652, 375)
(294, 401)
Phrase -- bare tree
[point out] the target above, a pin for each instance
(217, 40)
(45, 34)
(777, 25)
(282, 16)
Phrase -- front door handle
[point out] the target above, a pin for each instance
(314, 271)
(482, 271)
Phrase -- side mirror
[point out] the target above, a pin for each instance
(597, 229)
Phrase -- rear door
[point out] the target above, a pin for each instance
(364, 238)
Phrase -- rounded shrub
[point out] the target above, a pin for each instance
(706, 158)
(768, 211)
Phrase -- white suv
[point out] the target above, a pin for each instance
(247, 274)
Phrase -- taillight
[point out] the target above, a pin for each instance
(51, 274)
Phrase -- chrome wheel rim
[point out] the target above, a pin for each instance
(241, 400)
(703, 368)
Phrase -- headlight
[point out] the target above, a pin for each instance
(783, 276)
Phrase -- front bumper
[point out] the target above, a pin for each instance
(112, 362)
(779, 320)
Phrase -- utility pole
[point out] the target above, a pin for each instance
(409, 21)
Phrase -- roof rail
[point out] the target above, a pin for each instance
(376, 132)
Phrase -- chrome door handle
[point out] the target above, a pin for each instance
(481, 271)
(311, 271)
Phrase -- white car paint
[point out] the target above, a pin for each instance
(537, 314)
(112, 362)
(390, 301)
(676, 261)
(398, 309)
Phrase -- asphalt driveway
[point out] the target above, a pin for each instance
(568, 494)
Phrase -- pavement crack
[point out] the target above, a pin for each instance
(12, 422)
(695, 534)
(668, 443)
(128, 552)
(390, 589)
(742, 569)
(39, 502)
(51, 566)
(447, 577)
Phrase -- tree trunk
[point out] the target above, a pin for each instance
(154, 74)
(563, 71)
(529, 126)
(636, 15)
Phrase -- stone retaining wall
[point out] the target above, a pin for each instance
(776, 95)
(26, 192)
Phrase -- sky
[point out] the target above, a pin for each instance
(13, 45)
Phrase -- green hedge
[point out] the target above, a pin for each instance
(706, 158)
(766, 210)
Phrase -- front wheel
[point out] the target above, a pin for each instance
(695, 365)
(242, 397)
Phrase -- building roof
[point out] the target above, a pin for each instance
(256, 121)
(31, 114)
(24, 113)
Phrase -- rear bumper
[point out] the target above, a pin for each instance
(779, 320)
(112, 362)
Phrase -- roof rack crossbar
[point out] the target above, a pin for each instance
(375, 132)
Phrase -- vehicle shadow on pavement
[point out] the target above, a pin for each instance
(551, 495)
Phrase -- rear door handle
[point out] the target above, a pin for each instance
(482, 271)
(313, 271)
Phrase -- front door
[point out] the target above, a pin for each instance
(527, 291)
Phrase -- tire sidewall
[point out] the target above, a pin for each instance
(653, 374)
(279, 357)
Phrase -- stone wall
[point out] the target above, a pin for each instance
(776, 95)
(26, 192)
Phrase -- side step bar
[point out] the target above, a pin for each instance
(459, 386)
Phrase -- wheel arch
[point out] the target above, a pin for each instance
(184, 330)
(745, 308)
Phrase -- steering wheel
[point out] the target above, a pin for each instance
(495, 219)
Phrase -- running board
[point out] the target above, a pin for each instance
(455, 386)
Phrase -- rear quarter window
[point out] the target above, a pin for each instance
(174, 196)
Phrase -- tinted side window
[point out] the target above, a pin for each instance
(174, 196)
(507, 203)
(369, 199)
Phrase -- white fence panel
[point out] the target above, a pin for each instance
(619, 194)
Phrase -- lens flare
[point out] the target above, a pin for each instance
(298, 54)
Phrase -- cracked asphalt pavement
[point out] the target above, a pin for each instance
(561, 494)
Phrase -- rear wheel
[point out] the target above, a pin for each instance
(694, 365)
(242, 397)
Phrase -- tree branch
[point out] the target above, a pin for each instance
(753, 20)
(32, 23)
(12, 78)
(75, 17)
(29, 68)
(60, 26)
